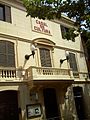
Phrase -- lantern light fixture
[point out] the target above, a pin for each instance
(67, 58)
(32, 54)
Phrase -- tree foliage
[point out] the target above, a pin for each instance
(86, 43)
(52, 9)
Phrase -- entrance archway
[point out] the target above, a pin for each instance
(9, 105)
(79, 102)
(51, 106)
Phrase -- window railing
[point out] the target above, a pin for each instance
(11, 73)
(76, 74)
(48, 73)
(84, 75)
(52, 71)
(40, 73)
(7, 73)
(80, 75)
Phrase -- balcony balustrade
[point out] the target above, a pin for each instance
(44, 73)
(10, 74)
(48, 73)
(41, 73)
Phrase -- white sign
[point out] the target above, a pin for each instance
(33, 110)
(41, 26)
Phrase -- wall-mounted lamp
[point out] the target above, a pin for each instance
(32, 54)
(67, 58)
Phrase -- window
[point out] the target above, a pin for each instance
(7, 56)
(64, 30)
(73, 64)
(45, 57)
(2, 15)
(68, 33)
(5, 13)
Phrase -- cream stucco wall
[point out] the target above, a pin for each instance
(21, 30)
(21, 34)
(21, 27)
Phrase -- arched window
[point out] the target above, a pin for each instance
(45, 57)
(7, 55)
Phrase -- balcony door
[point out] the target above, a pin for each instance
(9, 105)
(51, 107)
(45, 57)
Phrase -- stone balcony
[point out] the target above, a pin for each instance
(48, 73)
(36, 75)
(41, 74)
(9, 74)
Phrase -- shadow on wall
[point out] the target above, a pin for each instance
(69, 111)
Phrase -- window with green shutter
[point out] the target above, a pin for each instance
(5, 13)
(45, 57)
(68, 33)
(64, 30)
(73, 64)
(2, 13)
(7, 55)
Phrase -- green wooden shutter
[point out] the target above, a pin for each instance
(45, 57)
(62, 31)
(7, 56)
(2, 53)
(7, 14)
(2, 13)
(73, 63)
(48, 58)
(10, 54)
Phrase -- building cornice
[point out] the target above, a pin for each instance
(14, 3)
(30, 41)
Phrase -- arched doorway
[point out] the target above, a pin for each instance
(51, 106)
(9, 105)
(79, 102)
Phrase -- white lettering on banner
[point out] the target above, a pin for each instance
(40, 26)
